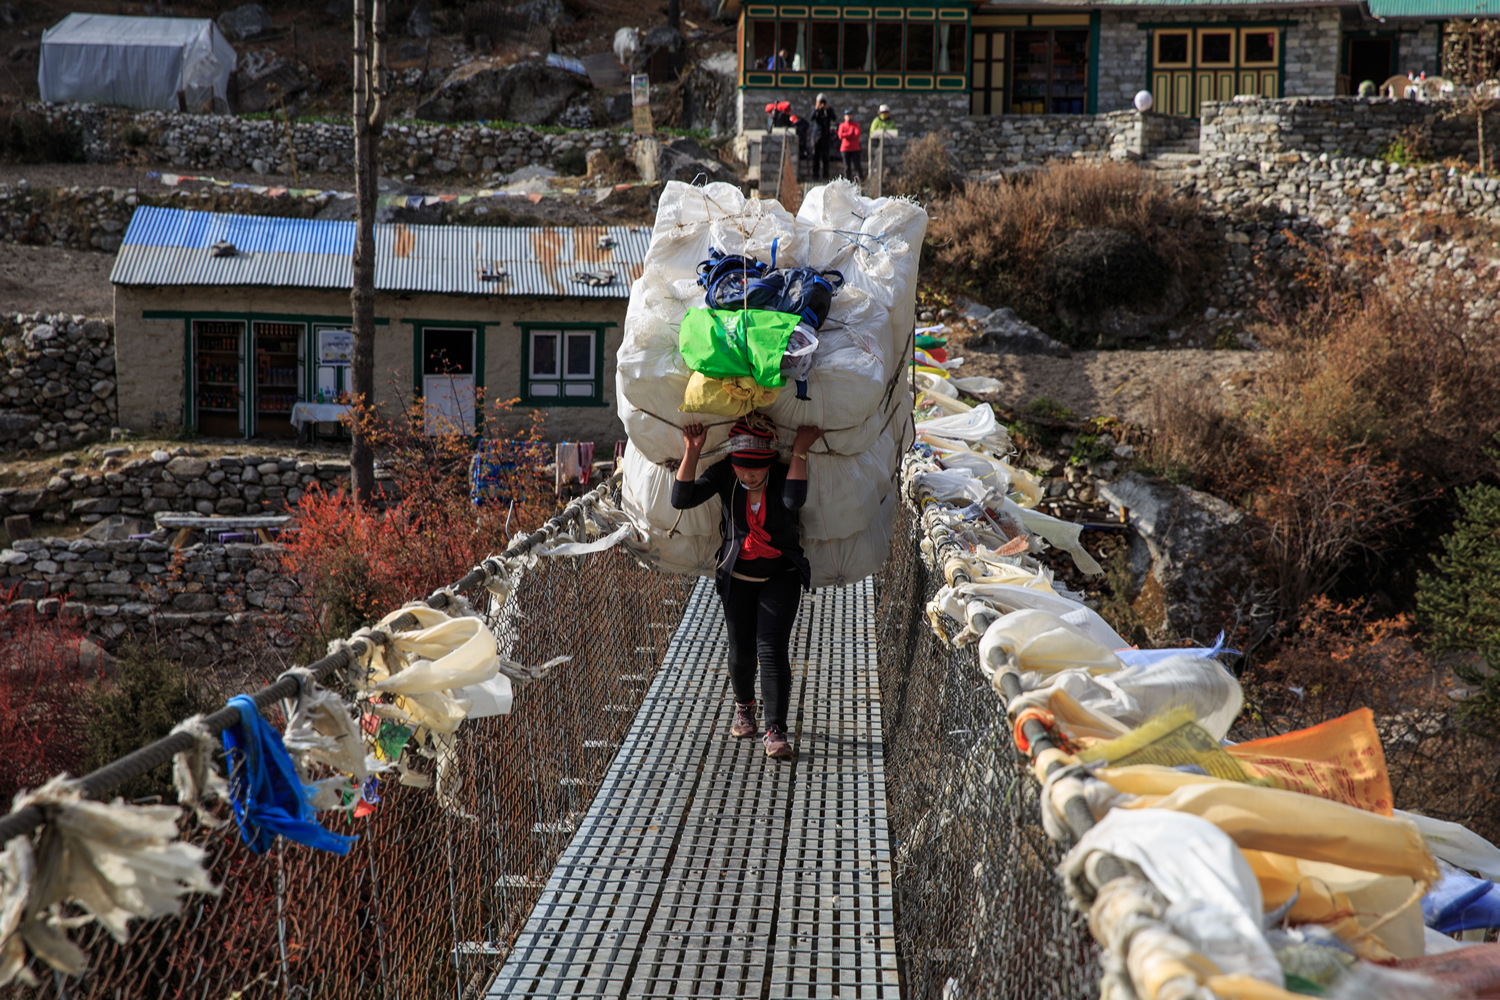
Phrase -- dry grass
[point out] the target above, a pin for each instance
(1400, 362)
(995, 235)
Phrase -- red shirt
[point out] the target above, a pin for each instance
(848, 137)
(757, 543)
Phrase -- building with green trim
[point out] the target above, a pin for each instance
(936, 62)
(223, 323)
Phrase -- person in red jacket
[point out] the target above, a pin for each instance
(854, 156)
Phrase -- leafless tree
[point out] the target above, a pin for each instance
(1471, 55)
(369, 123)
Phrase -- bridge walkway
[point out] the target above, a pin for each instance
(705, 869)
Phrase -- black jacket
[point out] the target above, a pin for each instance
(781, 519)
(822, 125)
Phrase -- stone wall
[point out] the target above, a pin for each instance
(1344, 126)
(95, 218)
(142, 487)
(57, 384)
(1257, 204)
(203, 597)
(916, 113)
(209, 142)
(1312, 48)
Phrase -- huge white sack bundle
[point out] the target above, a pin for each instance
(691, 220)
(876, 243)
(844, 492)
(646, 494)
(687, 555)
(848, 560)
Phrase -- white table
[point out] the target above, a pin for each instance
(317, 413)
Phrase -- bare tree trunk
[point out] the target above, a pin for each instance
(369, 122)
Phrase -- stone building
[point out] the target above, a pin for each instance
(223, 323)
(939, 63)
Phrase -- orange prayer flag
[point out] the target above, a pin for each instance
(1340, 760)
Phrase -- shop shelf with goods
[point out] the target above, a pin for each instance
(218, 388)
(276, 376)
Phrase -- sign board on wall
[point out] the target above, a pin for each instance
(640, 103)
(335, 347)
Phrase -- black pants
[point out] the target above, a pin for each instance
(758, 618)
(854, 164)
(820, 161)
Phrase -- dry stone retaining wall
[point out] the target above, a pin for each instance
(57, 384)
(1342, 126)
(143, 487)
(211, 142)
(206, 597)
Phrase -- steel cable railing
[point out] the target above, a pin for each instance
(429, 899)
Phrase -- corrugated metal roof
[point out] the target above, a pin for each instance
(171, 246)
(1435, 8)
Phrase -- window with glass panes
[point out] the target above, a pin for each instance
(854, 47)
(1038, 64)
(562, 365)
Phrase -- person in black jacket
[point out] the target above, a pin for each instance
(761, 569)
(822, 137)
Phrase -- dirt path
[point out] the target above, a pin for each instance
(1108, 383)
(50, 280)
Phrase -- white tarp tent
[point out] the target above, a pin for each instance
(136, 62)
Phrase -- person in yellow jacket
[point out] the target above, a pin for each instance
(883, 121)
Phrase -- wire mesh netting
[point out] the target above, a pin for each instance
(430, 898)
(980, 911)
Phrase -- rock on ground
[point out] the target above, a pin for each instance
(530, 92)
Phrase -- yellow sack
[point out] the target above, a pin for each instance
(1282, 822)
(726, 397)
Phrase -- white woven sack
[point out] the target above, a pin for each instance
(849, 560)
(843, 494)
(691, 555)
(646, 495)
(690, 220)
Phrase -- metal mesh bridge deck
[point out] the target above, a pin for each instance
(705, 869)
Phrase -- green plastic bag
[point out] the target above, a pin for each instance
(723, 343)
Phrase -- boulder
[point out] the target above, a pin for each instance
(246, 23)
(685, 160)
(184, 467)
(1188, 555)
(17, 425)
(1007, 333)
(552, 13)
(532, 93)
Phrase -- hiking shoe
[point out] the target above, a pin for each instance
(777, 745)
(744, 720)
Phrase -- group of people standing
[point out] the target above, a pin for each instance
(848, 134)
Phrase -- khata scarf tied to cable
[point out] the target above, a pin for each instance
(269, 798)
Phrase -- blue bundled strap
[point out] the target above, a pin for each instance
(1461, 902)
(269, 798)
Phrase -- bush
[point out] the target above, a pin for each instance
(993, 239)
(1094, 268)
(45, 689)
(148, 695)
(1401, 361)
(28, 136)
(1460, 602)
(928, 169)
(356, 564)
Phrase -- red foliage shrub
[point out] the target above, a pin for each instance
(356, 564)
(46, 689)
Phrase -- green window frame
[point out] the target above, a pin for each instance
(560, 386)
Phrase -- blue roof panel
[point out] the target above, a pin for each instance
(171, 246)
